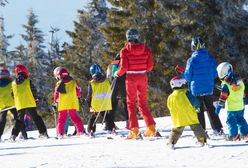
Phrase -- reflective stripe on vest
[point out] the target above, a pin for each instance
(6, 99)
(136, 72)
(23, 95)
(101, 96)
(68, 100)
(234, 101)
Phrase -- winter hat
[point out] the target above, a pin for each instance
(21, 69)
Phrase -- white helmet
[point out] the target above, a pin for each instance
(56, 72)
(177, 82)
(224, 69)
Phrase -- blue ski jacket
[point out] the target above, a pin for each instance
(200, 73)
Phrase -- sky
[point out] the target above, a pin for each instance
(55, 13)
(100, 152)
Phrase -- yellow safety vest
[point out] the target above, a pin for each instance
(181, 110)
(6, 99)
(23, 96)
(68, 100)
(235, 101)
(101, 96)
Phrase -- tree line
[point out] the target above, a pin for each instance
(165, 26)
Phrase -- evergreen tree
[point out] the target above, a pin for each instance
(3, 2)
(38, 63)
(5, 56)
(167, 28)
(87, 42)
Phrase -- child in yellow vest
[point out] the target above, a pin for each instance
(6, 100)
(66, 95)
(25, 97)
(99, 99)
(232, 97)
(183, 113)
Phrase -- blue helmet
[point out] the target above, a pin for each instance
(132, 35)
(196, 43)
(95, 69)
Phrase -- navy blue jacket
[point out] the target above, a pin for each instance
(200, 73)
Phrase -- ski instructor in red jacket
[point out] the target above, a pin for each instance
(136, 61)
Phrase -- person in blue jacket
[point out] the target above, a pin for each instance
(200, 73)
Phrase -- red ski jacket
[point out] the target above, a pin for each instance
(136, 58)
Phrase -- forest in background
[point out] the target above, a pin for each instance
(166, 27)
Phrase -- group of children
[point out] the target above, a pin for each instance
(20, 97)
(184, 103)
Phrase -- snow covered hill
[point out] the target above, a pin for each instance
(120, 153)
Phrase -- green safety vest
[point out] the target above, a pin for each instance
(235, 101)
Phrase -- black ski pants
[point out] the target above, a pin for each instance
(119, 91)
(214, 119)
(36, 118)
(109, 122)
(3, 116)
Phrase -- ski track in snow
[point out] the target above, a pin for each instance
(101, 152)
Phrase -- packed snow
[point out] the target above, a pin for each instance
(118, 152)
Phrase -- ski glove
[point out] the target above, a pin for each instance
(217, 109)
(116, 75)
(179, 69)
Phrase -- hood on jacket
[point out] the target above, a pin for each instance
(135, 48)
(20, 78)
(99, 78)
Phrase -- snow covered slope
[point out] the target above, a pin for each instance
(120, 153)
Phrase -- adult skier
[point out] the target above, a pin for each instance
(136, 61)
(200, 73)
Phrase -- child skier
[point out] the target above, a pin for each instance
(66, 96)
(56, 76)
(99, 100)
(25, 97)
(232, 97)
(6, 100)
(182, 106)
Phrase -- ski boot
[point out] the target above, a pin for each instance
(151, 132)
(12, 138)
(43, 135)
(134, 133)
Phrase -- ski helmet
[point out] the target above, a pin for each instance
(132, 35)
(177, 82)
(224, 69)
(62, 73)
(21, 69)
(196, 43)
(95, 69)
(4, 73)
(56, 72)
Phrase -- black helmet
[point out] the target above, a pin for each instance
(132, 35)
(95, 69)
(196, 43)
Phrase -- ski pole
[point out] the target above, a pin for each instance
(112, 86)
(6, 109)
(109, 93)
